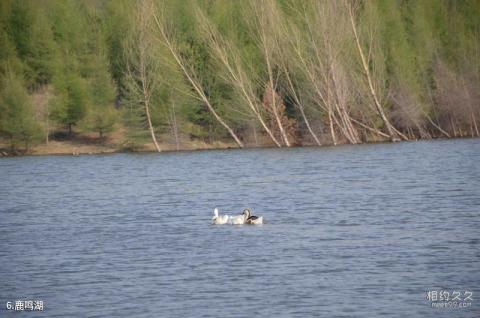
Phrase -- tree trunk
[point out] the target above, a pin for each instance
(12, 146)
(146, 100)
(196, 85)
(332, 129)
(475, 124)
(27, 144)
(175, 127)
(376, 131)
(48, 126)
(150, 126)
(452, 124)
(279, 121)
(235, 71)
(349, 131)
(378, 106)
(273, 92)
(300, 107)
(438, 127)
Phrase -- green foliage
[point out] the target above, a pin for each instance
(42, 57)
(117, 28)
(17, 119)
(103, 120)
(70, 105)
(20, 27)
(9, 62)
(29, 29)
(102, 115)
(82, 51)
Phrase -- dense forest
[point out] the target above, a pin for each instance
(245, 73)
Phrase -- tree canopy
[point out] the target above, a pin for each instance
(269, 72)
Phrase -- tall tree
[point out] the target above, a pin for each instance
(143, 67)
(189, 73)
(102, 116)
(235, 72)
(17, 118)
(71, 103)
(369, 76)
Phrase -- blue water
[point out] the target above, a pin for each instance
(351, 231)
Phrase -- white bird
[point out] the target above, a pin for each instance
(252, 219)
(238, 219)
(219, 219)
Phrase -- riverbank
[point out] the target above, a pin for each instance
(78, 148)
(82, 143)
(89, 144)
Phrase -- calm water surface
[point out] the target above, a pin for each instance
(352, 231)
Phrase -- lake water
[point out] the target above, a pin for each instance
(351, 231)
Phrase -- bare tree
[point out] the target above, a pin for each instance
(407, 112)
(298, 103)
(174, 125)
(317, 54)
(228, 56)
(392, 132)
(166, 39)
(305, 64)
(332, 21)
(267, 20)
(142, 67)
(457, 100)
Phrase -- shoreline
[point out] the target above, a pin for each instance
(58, 148)
(69, 148)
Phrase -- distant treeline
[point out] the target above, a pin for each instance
(253, 72)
